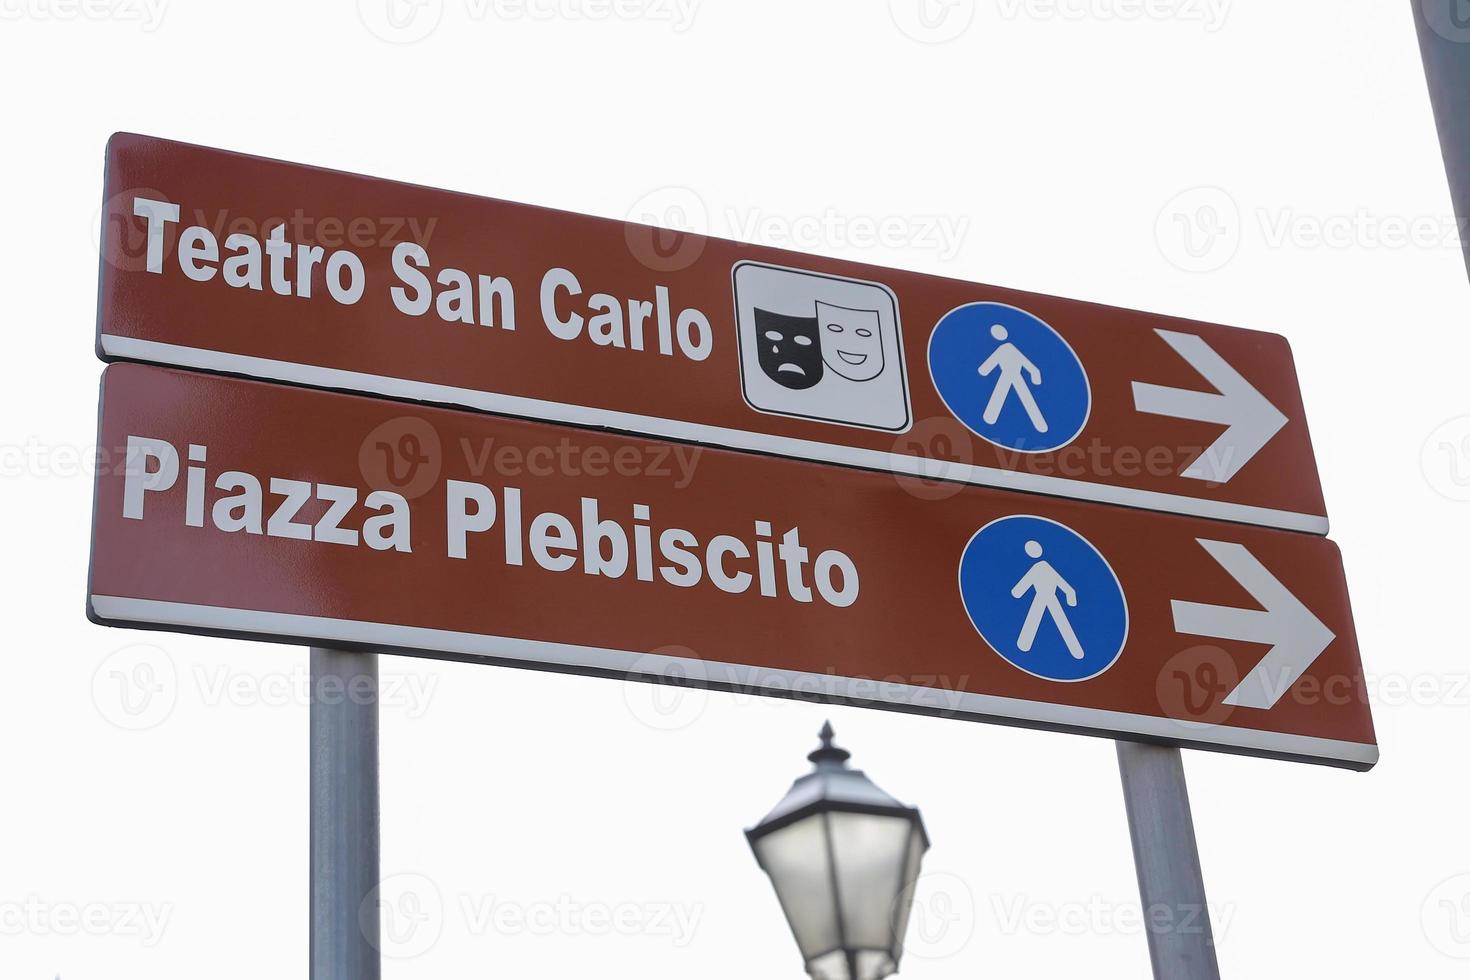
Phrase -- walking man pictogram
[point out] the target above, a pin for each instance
(1013, 367)
(1045, 582)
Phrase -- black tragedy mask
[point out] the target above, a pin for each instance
(790, 348)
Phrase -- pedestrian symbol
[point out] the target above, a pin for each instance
(1009, 377)
(1011, 364)
(1043, 580)
(1044, 598)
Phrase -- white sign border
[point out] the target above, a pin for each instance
(115, 347)
(298, 629)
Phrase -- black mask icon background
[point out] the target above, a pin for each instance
(790, 348)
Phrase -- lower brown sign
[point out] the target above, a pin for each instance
(242, 508)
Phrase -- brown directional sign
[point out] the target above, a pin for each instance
(242, 508)
(219, 261)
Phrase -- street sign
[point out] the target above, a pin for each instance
(239, 508)
(224, 262)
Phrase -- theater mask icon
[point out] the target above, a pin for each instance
(820, 347)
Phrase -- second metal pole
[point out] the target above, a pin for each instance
(1181, 942)
(1444, 40)
(344, 815)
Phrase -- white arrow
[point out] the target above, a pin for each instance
(1252, 420)
(1297, 638)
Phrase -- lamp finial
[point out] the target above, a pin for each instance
(829, 755)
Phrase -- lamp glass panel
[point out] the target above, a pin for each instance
(872, 964)
(829, 966)
(871, 852)
(904, 906)
(795, 857)
(875, 963)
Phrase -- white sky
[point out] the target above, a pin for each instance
(1058, 137)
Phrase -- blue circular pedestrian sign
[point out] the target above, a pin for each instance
(1009, 377)
(1044, 598)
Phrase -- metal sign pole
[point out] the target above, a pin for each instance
(1181, 943)
(1444, 40)
(344, 815)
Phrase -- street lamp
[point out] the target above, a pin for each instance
(843, 856)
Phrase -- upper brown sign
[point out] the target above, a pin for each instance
(232, 263)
